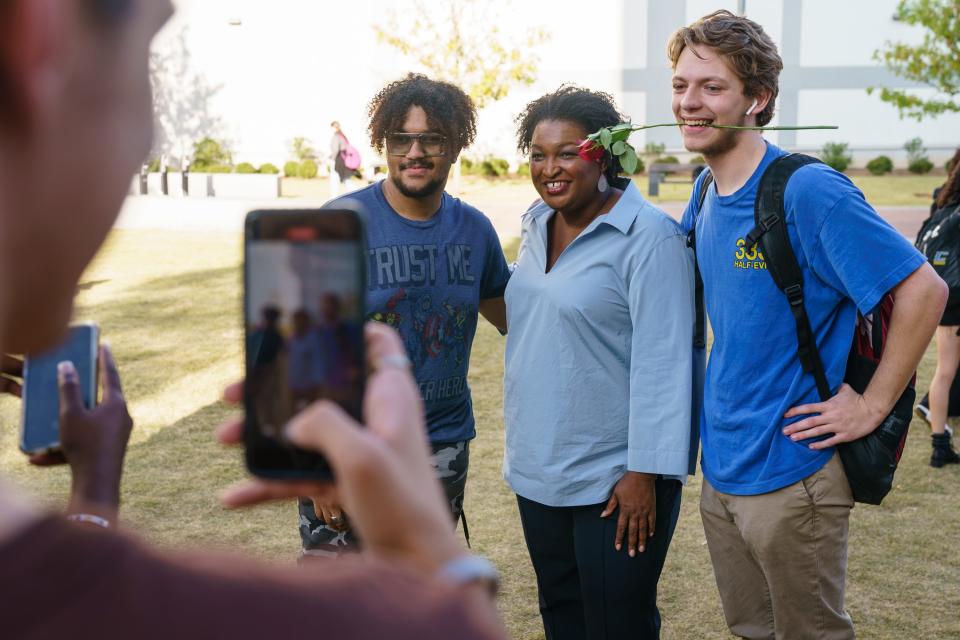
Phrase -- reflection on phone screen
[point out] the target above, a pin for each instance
(304, 318)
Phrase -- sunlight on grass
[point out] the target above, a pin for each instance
(169, 303)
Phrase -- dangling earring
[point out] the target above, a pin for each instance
(602, 184)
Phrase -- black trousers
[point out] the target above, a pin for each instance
(588, 589)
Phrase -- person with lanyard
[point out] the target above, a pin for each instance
(434, 264)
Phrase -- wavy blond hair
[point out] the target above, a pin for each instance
(744, 45)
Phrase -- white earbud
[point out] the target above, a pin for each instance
(752, 107)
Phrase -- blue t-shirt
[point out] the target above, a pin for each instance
(426, 280)
(849, 258)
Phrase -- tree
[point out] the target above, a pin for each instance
(935, 62)
(181, 98)
(302, 150)
(463, 44)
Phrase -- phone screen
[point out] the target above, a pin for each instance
(41, 394)
(304, 313)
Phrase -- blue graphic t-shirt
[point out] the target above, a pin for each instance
(426, 279)
(849, 258)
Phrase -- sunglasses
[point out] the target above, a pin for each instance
(431, 144)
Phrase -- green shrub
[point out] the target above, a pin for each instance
(213, 168)
(920, 165)
(266, 167)
(470, 167)
(308, 169)
(654, 149)
(209, 152)
(697, 160)
(246, 167)
(291, 169)
(523, 169)
(880, 165)
(666, 160)
(835, 155)
(153, 165)
(495, 167)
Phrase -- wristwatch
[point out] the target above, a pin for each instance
(469, 568)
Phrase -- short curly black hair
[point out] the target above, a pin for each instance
(591, 110)
(448, 109)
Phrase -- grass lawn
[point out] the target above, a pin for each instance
(879, 190)
(169, 303)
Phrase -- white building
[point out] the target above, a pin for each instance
(258, 73)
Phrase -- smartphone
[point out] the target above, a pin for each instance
(40, 427)
(304, 283)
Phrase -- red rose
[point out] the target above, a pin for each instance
(590, 150)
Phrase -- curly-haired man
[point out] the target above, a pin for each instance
(434, 263)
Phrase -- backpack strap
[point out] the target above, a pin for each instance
(771, 234)
(700, 324)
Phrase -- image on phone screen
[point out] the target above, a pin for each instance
(304, 328)
(41, 394)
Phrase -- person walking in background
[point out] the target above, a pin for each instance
(599, 378)
(946, 204)
(776, 500)
(340, 174)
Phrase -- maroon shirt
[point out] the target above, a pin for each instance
(64, 580)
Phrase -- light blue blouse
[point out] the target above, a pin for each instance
(601, 375)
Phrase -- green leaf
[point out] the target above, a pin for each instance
(628, 159)
(606, 138)
(618, 147)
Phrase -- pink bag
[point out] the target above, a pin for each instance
(349, 155)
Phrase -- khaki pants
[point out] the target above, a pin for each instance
(780, 558)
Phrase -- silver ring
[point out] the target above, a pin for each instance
(394, 361)
(334, 518)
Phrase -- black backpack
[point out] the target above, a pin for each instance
(871, 461)
(939, 240)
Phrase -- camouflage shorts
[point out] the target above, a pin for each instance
(450, 462)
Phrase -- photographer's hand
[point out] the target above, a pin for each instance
(93, 441)
(384, 477)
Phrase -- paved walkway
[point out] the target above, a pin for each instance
(503, 206)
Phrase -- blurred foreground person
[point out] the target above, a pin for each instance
(74, 125)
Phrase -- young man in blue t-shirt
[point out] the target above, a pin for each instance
(433, 263)
(775, 502)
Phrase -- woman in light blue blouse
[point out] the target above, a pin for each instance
(599, 382)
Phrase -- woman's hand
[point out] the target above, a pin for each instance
(93, 441)
(331, 512)
(636, 496)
